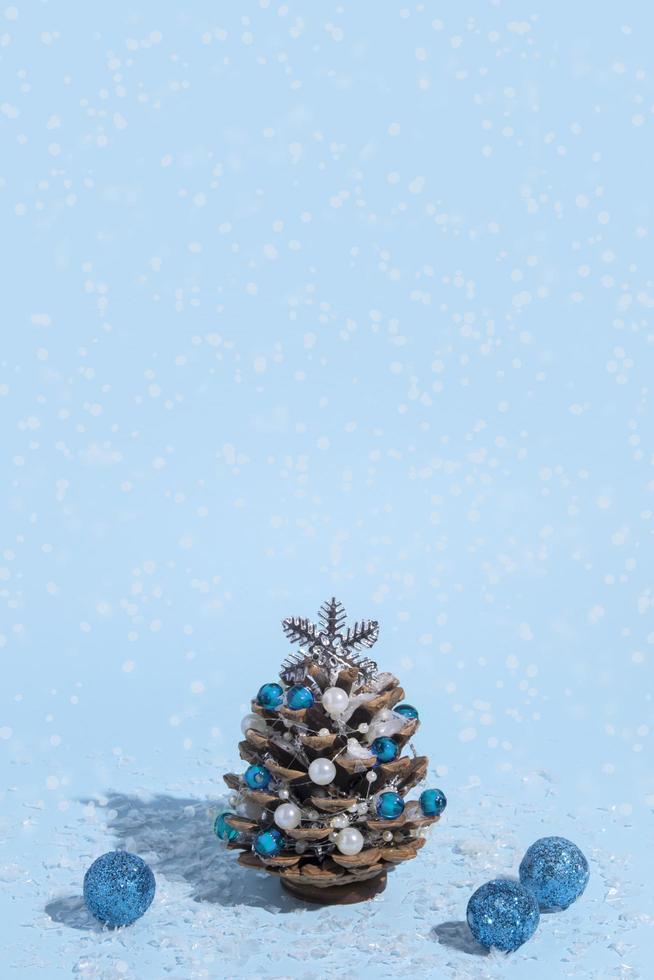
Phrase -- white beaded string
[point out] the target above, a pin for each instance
(299, 753)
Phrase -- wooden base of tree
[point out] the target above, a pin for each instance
(354, 891)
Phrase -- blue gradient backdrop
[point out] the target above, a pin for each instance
(313, 299)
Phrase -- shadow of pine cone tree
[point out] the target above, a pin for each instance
(321, 804)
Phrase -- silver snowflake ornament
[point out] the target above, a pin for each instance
(329, 644)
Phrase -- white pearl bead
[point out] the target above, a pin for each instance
(349, 841)
(363, 727)
(256, 722)
(339, 821)
(387, 835)
(322, 772)
(371, 776)
(335, 701)
(283, 794)
(287, 816)
(323, 732)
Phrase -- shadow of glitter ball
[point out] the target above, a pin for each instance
(118, 888)
(555, 871)
(502, 915)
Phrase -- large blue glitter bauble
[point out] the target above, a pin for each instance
(407, 710)
(390, 805)
(555, 871)
(502, 914)
(432, 802)
(270, 696)
(222, 829)
(298, 698)
(268, 843)
(257, 777)
(385, 749)
(118, 888)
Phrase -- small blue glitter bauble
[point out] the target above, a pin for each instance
(222, 829)
(385, 749)
(268, 843)
(502, 914)
(432, 802)
(390, 805)
(257, 777)
(407, 710)
(298, 698)
(270, 696)
(118, 888)
(555, 871)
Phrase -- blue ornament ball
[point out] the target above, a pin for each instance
(385, 749)
(555, 871)
(270, 696)
(390, 805)
(432, 802)
(118, 888)
(502, 914)
(222, 829)
(299, 698)
(268, 843)
(257, 777)
(406, 710)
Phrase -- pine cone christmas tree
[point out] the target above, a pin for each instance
(321, 803)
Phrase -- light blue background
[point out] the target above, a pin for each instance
(308, 299)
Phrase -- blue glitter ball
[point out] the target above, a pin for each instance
(268, 843)
(222, 829)
(390, 805)
(502, 914)
(407, 710)
(298, 698)
(555, 871)
(385, 749)
(257, 777)
(432, 802)
(270, 696)
(118, 888)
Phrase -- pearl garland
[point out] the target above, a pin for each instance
(349, 841)
(287, 816)
(322, 772)
(339, 821)
(255, 722)
(335, 701)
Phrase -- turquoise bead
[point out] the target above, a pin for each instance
(270, 696)
(257, 777)
(390, 805)
(385, 749)
(299, 698)
(222, 829)
(406, 710)
(432, 802)
(268, 843)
